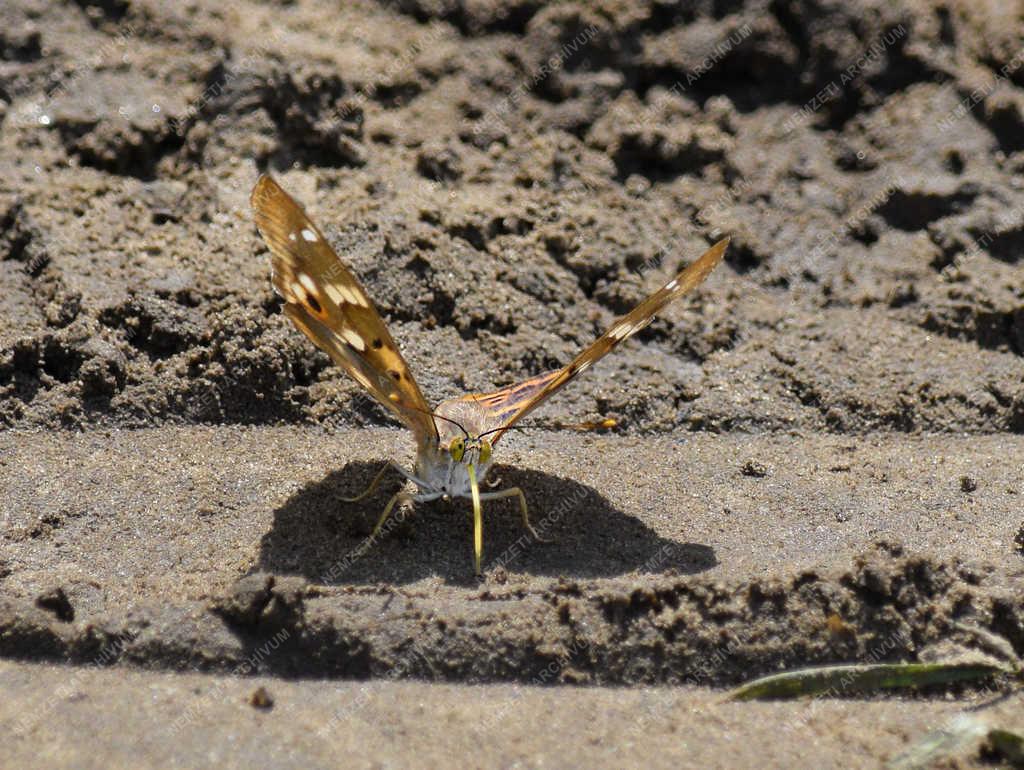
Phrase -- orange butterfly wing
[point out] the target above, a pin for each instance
(486, 412)
(325, 300)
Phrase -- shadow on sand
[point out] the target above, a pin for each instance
(316, 535)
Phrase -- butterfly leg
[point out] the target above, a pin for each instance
(373, 484)
(516, 491)
(397, 499)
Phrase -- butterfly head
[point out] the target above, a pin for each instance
(464, 455)
(457, 442)
(447, 468)
(468, 450)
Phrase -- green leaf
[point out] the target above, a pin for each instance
(837, 681)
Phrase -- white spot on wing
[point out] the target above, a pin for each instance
(350, 294)
(334, 293)
(308, 235)
(291, 236)
(672, 284)
(307, 284)
(353, 339)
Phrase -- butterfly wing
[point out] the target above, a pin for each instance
(325, 300)
(485, 412)
(497, 411)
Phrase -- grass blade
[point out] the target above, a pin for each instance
(859, 678)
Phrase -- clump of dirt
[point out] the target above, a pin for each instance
(888, 606)
(854, 190)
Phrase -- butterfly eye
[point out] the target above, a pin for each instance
(457, 449)
(485, 450)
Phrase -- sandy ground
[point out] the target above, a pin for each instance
(818, 456)
(205, 721)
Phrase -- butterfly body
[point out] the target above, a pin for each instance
(455, 441)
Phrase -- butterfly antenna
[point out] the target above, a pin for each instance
(453, 422)
(437, 416)
(506, 427)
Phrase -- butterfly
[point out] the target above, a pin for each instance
(455, 441)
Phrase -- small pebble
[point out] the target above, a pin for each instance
(755, 469)
(261, 699)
